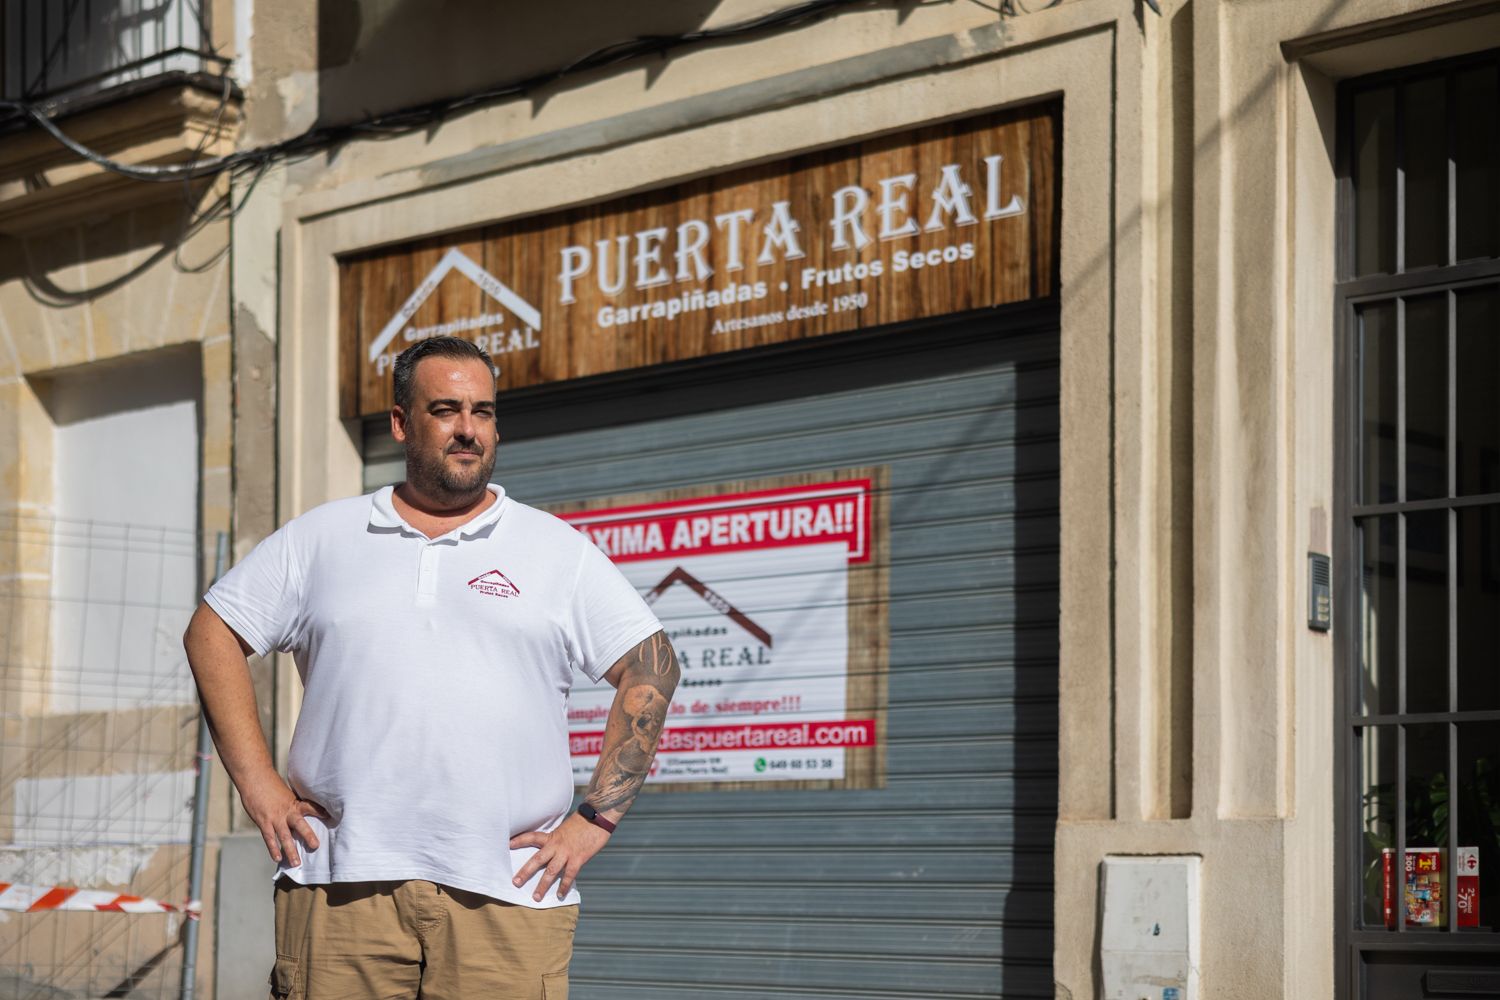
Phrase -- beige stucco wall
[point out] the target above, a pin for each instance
(101, 278)
(97, 292)
(88, 296)
(1197, 339)
(105, 287)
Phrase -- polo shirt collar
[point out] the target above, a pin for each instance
(383, 515)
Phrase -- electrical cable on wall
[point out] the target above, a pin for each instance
(412, 118)
(254, 163)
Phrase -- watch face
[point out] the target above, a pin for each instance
(587, 811)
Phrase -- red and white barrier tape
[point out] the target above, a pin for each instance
(40, 898)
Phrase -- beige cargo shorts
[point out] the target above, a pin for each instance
(415, 939)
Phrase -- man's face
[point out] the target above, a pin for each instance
(450, 433)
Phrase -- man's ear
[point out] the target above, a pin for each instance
(398, 424)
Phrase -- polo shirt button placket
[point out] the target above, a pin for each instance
(427, 575)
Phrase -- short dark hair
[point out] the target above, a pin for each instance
(405, 369)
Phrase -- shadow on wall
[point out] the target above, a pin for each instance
(181, 232)
(377, 56)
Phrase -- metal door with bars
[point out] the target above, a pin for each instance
(1418, 746)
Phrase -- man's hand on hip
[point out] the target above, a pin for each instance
(562, 853)
(644, 680)
(279, 814)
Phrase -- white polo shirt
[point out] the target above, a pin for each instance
(436, 675)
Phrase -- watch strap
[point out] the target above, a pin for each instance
(591, 814)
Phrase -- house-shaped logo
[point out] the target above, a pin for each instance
(495, 584)
(382, 350)
(712, 598)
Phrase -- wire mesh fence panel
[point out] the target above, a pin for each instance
(97, 757)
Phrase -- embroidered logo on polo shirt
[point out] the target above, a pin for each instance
(494, 583)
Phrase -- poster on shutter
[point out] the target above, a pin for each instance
(773, 594)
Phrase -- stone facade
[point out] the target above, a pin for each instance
(1197, 272)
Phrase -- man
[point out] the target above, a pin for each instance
(423, 839)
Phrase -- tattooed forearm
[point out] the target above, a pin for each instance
(635, 723)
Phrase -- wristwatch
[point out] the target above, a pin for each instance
(591, 814)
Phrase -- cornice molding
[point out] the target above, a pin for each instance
(43, 185)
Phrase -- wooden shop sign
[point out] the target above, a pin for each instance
(947, 218)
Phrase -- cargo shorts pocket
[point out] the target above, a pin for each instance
(286, 979)
(555, 986)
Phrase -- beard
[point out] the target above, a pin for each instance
(432, 477)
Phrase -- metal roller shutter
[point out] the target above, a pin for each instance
(940, 883)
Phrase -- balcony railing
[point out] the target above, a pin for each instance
(63, 49)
